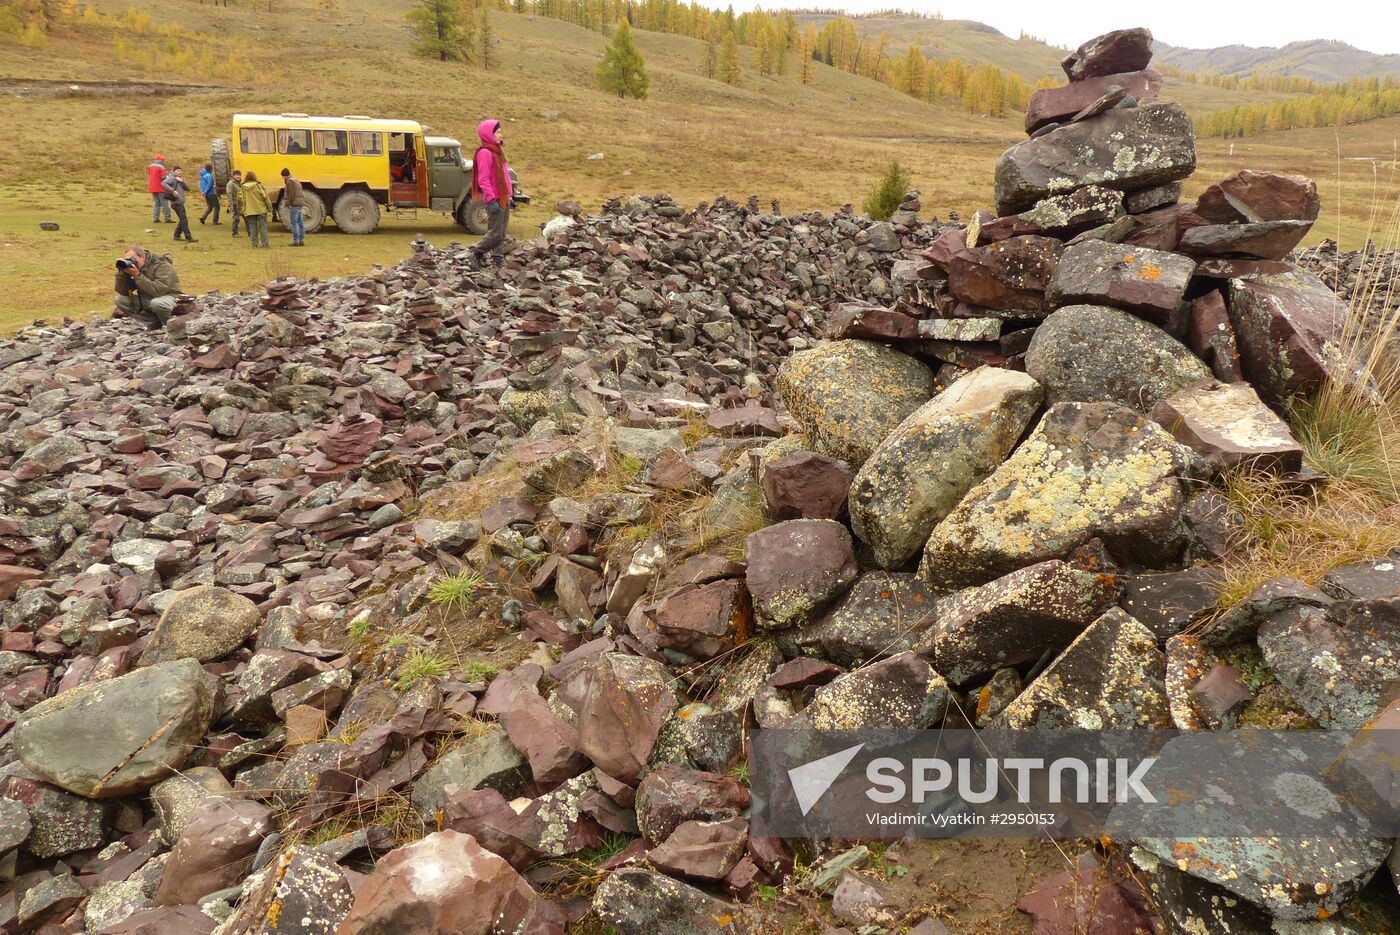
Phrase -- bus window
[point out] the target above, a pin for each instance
(330, 142)
(257, 140)
(365, 143)
(294, 142)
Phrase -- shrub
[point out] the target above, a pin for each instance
(886, 196)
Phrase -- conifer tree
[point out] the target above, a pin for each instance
(808, 49)
(729, 60)
(485, 36)
(439, 29)
(887, 194)
(709, 64)
(622, 69)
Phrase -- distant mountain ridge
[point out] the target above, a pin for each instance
(1323, 60)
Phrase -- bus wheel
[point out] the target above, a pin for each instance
(218, 158)
(313, 213)
(473, 216)
(355, 212)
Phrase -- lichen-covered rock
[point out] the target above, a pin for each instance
(1126, 149)
(302, 892)
(1293, 878)
(108, 739)
(204, 623)
(1092, 353)
(1015, 619)
(1058, 216)
(926, 465)
(1148, 283)
(902, 691)
(848, 395)
(1055, 105)
(1110, 677)
(796, 568)
(1287, 326)
(1009, 275)
(1340, 663)
(1117, 51)
(884, 613)
(1087, 470)
(640, 901)
(1272, 240)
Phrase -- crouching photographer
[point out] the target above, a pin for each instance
(147, 286)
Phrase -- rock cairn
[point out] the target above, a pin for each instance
(379, 604)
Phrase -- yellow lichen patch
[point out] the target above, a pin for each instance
(1150, 271)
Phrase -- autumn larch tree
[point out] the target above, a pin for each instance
(440, 29)
(622, 70)
(729, 60)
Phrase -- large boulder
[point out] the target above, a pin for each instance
(447, 884)
(796, 568)
(108, 739)
(848, 395)
(1252, 196)
(1287, 326)
(1111, 677)
(1127, 149)
(1088, 470)
(1092, 353)
(204, 623)
(1148, 283)
(925, 466)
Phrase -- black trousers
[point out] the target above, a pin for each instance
(184, 220)
(211, 204)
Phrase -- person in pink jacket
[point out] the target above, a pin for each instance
(491, 184)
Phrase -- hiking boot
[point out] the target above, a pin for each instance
(473, 260)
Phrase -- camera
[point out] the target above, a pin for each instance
(125, 264)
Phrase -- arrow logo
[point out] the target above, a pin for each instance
(811, 780)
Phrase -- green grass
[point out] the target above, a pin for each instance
(455, 592)
(480, 671)
(422, 665)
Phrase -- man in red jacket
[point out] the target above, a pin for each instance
(155, 186)
(491, 184)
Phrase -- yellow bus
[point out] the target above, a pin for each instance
(353, 168)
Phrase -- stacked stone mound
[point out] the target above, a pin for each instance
(224, 704)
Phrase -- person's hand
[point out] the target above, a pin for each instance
(137, 259)
(494, 207)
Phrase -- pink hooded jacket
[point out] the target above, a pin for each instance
(485, 168)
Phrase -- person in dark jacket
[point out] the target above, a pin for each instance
(235, 183)
(294, 197)
(211, 197)
(176, 190)
(147, 286)
(491, 184)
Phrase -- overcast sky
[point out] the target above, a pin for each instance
(1373, 25)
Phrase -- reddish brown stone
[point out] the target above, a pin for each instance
(1149, 283)
(12, 576)
(1010, 274)
(1053, 105)
(1211, 336)
(671, 795)
(853, 320)
(705, 850)
(806, 485)
(701, 621)
(1270, 240)
(1255, 196)
(745, 422)
(214, 851)
(1287, 326)
(350, 440)
(1122, 50)
(796, 568)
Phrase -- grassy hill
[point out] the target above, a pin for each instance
(78, 158)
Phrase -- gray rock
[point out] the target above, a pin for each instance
(1092, 353)
(848, 395)
(109, 739)
(486, 762)
(1229, 426)
(1288, 327)
(645, 444)
(14, 826)
(883, 614)
(922, 469)
(203, 623)
(1148, 283)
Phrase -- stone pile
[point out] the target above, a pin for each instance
(423, 602)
